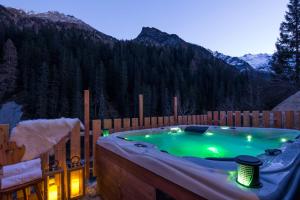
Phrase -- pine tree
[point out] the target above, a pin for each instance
(286, 61)
(41, 92)
(8, 70)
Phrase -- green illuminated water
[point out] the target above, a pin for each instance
(217, 143)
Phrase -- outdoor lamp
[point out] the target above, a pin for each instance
(76, 179)
(53, 182)
(248, 171)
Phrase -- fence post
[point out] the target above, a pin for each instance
(75, 141)
(141, 110)
(96, 135)
(175, 110)
(87, 132)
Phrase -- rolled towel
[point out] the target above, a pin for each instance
(19, 168)
(30, 175)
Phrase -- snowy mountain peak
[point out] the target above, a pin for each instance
(239, 64)
(258, 61)
(57, 17)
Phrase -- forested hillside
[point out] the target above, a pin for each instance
(46, 65)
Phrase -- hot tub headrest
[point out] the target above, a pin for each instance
(196, 129)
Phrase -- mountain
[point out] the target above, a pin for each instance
(249, 62)
(238, 63)
(155, 37)
(56, 55)
(259, 62)
(55, 19)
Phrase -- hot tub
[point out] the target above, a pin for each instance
(202, 162)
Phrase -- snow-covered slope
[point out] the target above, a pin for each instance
(57, 17)
(238, 63)
(258, 61)
(23, 19)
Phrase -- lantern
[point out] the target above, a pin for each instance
(76, 179)
(105, 132)
(248, 171)
(53, 182)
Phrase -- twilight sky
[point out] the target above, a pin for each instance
(233, 27)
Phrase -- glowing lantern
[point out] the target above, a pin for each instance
(105, 132)
(53, 182)
(76, 182)
(248, 171)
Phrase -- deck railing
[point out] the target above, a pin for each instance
(266, 119)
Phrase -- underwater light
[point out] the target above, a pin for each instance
(248, 171)
(209, 133)
(175, 130)
(147, 136)
(283, 140)
(224, 127)
(249, 138)
(213, 149)
(105, 132)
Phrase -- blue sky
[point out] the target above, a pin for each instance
(233, 27)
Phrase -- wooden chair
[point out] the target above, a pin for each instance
(10, 153)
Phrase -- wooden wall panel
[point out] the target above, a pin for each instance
(266, 119)
(185, 120)
(222, 118)
(180, 120)
(216, 118)
(209, 118)
(190, 119)
(277, 116)
(205, 120)
(141, 110)
(237, 118)
(153, 122)
(201, 119)
(255, 118)
(229, 118)
(117, 125)
(126, 123)
(160, 121)
(289, 119)
(198, 119)
(166, 121)
(175, 109)
(194, 119)
(172, 120)
(147, 123)
(107, 124)
(135, 123)
(246, 118)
